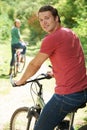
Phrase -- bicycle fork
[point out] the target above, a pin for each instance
(34, 111)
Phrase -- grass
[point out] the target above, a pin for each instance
(4, 59)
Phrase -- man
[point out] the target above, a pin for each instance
(16, 42)
(64, 50)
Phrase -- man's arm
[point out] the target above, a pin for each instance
(32, 67)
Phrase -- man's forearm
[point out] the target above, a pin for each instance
(32, 67)
(29, 72)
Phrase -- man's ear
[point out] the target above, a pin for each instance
(56, 19)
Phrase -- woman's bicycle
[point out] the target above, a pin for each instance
(19, 62)
(25, 118)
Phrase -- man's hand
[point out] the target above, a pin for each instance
(19, 83)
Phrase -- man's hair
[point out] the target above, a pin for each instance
(51, 9)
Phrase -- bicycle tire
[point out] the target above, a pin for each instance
(21, 65)
(20, 120)
(15, 67)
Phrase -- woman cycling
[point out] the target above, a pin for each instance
(16, 42)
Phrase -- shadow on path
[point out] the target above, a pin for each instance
(4, 76)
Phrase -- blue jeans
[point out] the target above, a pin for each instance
(13, 50)
(58, 107)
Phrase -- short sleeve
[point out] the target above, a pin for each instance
(48, 45)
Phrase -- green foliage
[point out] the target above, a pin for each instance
(5, 22)
(73, 14)
(11, 13)
(4, 27)
(70, 10)
(36, 31)
(81, 29)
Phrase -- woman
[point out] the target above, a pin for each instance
(16, 42)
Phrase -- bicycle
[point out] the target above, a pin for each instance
(25, 118)
(19, 62)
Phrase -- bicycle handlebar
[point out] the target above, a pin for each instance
(44, 76)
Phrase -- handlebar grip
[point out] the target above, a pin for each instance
(12, 81)
(47, 76)
(13, 84)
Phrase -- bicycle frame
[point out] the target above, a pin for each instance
(39, 104)
(39, 100)
(17, 55)
(18, 64)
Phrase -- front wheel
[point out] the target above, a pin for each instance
(22, 119)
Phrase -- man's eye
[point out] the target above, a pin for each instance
(40, 20)
(47, 18)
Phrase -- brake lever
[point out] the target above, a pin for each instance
(47, 76)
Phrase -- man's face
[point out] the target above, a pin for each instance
(47, 21)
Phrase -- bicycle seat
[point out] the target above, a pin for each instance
(81, 106)
(19, 50)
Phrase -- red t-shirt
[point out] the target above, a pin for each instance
(67, 58)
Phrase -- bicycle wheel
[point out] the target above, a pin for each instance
(21, 64)
(15, 67)
(22, 120)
